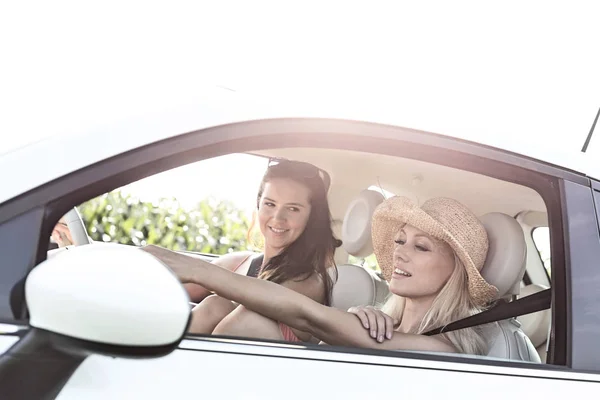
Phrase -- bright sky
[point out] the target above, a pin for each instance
(514, 68)
(235, 177)
(193, 182)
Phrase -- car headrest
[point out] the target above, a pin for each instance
(356, 228)
(535, 325)
(505, 263)
(357, 286)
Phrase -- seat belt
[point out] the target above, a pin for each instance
(525, 305)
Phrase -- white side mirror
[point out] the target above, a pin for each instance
(110, 294)
(112, 299)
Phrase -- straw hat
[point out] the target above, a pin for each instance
(443, 218)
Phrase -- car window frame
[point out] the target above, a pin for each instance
(596, 193)
(59, 196)
(582, 246)
(14, 237)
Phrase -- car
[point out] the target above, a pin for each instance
(77, 323)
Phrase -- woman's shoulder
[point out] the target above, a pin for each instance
(232, 261)
(311, 286)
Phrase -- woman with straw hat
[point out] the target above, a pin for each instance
(433, 267)
(431, 255)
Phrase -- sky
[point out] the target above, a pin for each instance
(521, 70)
(196, 181)
(212, 177)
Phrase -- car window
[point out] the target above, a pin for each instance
(201, 207)
(209, 206)
(212, 226)
(541, 238)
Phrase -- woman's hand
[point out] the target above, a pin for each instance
(61, 234)
(380, 324)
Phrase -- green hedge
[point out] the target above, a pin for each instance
(213, 226)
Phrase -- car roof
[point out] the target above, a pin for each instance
(64, 146)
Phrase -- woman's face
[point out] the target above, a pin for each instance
(422, 264)
(283, 212)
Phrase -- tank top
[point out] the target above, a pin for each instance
(255, 265)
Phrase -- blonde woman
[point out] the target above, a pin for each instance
(433, 274)
(431, 256)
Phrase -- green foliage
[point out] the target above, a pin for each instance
(213, 226)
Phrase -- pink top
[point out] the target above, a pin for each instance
(240, 264)
(286, 331)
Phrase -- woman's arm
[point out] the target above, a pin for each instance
(173, 259)
(277, 302)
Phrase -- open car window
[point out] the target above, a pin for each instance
(203, 207)
(208, 207)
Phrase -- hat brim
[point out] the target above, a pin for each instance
(394, 213)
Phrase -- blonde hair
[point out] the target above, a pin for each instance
(452, 303)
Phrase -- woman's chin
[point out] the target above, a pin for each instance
(401, 288)
(396, 289)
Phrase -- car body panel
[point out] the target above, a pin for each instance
(268, 372)
(584, 253)
(182, 373)
(7, 340)
(67, 150)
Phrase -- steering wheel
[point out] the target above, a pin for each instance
(77, 227)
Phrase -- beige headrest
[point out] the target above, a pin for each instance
(357, 286)
(505, 263)
(535, 325)
(356, 228)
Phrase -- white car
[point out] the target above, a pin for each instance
(78, 323)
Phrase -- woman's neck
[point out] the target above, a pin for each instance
(414, 313)
(269, 253)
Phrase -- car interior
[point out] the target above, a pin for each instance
(360, 181)
(496, 202)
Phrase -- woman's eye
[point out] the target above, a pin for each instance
(399, 241)
(294, 209)
(421, 248)
(269, 204)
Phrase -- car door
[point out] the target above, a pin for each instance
(224, 367)
(214, 369)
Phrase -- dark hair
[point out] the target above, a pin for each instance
(313, 251)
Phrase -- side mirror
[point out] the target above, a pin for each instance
(109, 294)
(104, 298)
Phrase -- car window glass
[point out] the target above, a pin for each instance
(541, 238)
